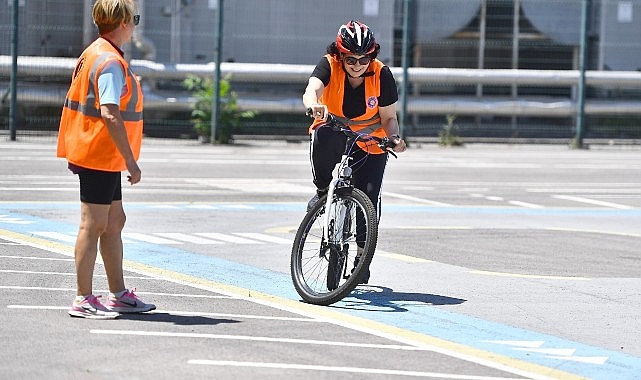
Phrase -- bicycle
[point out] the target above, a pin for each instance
(338, 233)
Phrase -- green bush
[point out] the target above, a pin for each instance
(230, 117)
(448, 136)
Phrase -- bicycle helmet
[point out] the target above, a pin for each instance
(355, 38)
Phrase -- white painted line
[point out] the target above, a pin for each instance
(183, 313)
(398, 256)
(550, 351)
(582, 359)
(227, 238)
(34, 258)
(16, 287)
(415, 199)
(68, 274)
(187, 238)
(64, 237)
(493, 198)
(592, 201)
(518, 343)
(259, 339)
(56, 236)
(149, 238)
(525, 204)
(263, 237)
(392, 372)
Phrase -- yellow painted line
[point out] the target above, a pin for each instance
(282, 230)
(452, 349)
(536, 276)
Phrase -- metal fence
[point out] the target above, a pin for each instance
(505, 68)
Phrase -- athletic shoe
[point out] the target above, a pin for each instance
(312, 202)
(128, 303)
(364, 272)
(90, 307)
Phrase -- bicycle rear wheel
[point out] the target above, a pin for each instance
(324, 269)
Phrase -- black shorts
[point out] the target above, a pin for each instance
(99, 187)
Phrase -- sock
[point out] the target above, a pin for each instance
(119, 294)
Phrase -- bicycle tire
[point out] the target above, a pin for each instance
(310, 267)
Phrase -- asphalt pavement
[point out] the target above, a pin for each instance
(493, 262)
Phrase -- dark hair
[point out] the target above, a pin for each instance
(332, 49)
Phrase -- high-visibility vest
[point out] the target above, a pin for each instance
(83, 137)
(332, 97)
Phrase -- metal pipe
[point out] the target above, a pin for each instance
(13, 106)
(404, 62)
(215, 101)
(580, 109)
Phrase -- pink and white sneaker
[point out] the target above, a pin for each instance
(128, 303)
(90, 307)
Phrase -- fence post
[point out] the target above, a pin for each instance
(577, 143)
(14, 74)
(404, 63)
(215, 98)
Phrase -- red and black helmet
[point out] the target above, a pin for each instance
(355, 38)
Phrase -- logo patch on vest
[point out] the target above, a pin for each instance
(372, 102)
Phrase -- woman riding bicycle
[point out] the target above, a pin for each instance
(360, 90)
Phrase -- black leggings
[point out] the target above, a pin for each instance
(327, 147)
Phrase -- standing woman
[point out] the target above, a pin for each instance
(100, 136)
(351, 83)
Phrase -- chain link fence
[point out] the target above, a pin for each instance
(506, 69)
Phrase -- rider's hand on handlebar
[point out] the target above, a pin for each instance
(318, 111)
(400, 145)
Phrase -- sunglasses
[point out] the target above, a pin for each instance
(136, 19)
(362, 60)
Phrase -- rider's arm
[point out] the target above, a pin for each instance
(313, 92)
(389, 122)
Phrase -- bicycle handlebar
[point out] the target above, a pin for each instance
(333, 122)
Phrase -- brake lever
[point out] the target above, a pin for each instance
(388, 145)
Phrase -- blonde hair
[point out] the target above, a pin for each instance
(108, 14)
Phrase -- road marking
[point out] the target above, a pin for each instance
(66, 274)
(187, 238)
(525, 204)
(34, 258)
(397, 334)
(537, 276)
(415, 199)
(552, 353)
(263, 237)
(56, 236)
(11, 220)
(281, 366)
(592, 231)
(398, 256)
(149, 238)
(185, 313)
(228, 238)
(592, 201)
(260, 339)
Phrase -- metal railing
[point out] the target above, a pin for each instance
(50, 69)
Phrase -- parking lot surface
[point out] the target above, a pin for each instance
(493, 262)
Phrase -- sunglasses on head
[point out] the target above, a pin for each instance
(136, 19)
(362, 60)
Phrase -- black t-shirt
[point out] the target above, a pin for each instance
(354, 98)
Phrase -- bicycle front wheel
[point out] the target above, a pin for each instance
(327, 266)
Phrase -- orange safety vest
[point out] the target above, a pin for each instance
(83, 138)
(370, 121)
